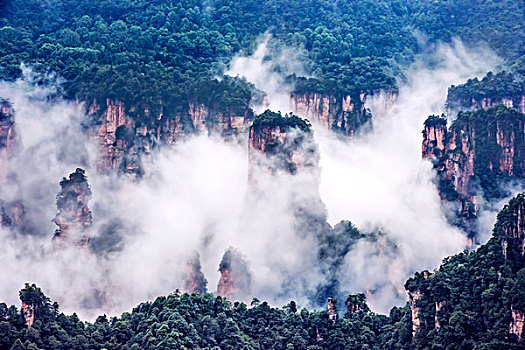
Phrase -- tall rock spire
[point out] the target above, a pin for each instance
(73, 217)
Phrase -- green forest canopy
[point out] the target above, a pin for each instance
(160, 54)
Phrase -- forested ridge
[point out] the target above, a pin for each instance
(160, 54)
(159, 57)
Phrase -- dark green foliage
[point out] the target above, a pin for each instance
(495, 87)
(275, 119)
(474, 291)
(436, 121)
(194, 322)
(497, 22)
(72, 188)
(159, 54)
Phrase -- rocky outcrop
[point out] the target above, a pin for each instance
(74, 217)
(517, 102)
(478, 153)
(285, 146)
(345, 114)
(434, 137)
(30, 304)
(235, 280)
(7, 137)
(126, 137)
(332, 310)
(417, 288)
(281, 144)
(440, 312)
(12, 213)
(516, 325)
(195, 282)
(510, 229)
(413, 298)
(502, 88)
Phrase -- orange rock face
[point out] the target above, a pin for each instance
(28, 311)
(124, 139)
(486, 102)
(113, 117)
(235, 278)
(413, 297)
(195, 281)
(513, 239)
(478, 150)
(516, 325)
(279, 148)
(434, 139)
(345, 114)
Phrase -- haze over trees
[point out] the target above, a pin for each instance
(157, 57)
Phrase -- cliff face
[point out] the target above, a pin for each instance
(281, 144)
(517, 102)
(332, 310)
(7, 137)
(510, 230)
(345, 114)
(126, 137)
(516, 325)
(73, 217)
(235, 278)
(415, 299)
(478, 153)
(195, 281)
(502, 88)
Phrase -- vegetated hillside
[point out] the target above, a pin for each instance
(474, 300)
(162, 53)
(501, 88)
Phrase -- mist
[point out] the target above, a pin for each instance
(197, 198)
(380, 182)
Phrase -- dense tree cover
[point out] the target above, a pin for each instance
(496, 22)
(274, 119)
(496, 87)
(470, 296)
(183, 321)
(464, 304)
(160, 54)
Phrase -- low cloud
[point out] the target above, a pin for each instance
(196, 197)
